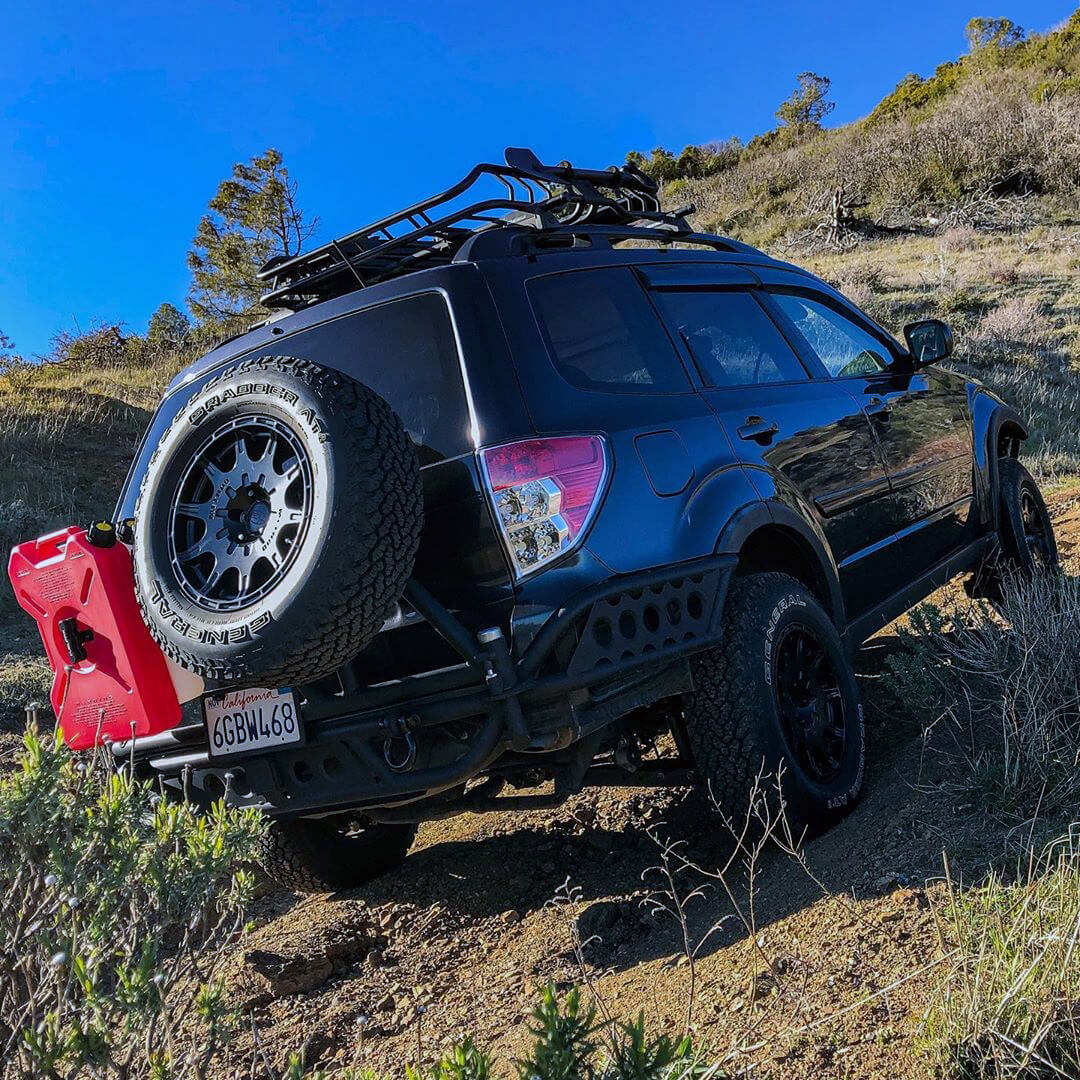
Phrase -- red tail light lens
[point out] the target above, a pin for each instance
(544, 492)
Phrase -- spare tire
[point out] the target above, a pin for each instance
(277, 523)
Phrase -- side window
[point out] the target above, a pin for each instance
(732, 340)
(603, 334)
(842, 346)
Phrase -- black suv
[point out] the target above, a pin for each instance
(547, 489)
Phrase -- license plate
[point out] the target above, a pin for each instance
(242, 721)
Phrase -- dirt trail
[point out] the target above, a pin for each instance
(829, 976)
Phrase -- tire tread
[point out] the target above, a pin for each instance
(380, 527)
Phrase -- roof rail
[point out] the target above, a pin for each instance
(430, 233)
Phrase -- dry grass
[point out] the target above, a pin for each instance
(1014, 331)
(1008, 683)
(67, 435)
(1009, 680)
(1014, 304)
(1011, 1007)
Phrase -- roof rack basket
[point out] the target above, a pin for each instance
(430, 233)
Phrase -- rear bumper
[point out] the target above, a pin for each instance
(598, 657)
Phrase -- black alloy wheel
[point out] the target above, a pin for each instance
(810, 703)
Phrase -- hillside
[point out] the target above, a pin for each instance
(991, 139)
(858, 954)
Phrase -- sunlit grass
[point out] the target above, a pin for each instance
(1011, 1005)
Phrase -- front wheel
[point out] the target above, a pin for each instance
(1028, 547)
(778, 694)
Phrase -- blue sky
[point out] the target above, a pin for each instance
(118, 120)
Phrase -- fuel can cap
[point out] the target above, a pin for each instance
(101, 534)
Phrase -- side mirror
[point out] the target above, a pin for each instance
(930, 340)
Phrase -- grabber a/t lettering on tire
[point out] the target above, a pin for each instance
(277, 523)
(778, 691)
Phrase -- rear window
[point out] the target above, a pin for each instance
(404, 350)
(603, 334)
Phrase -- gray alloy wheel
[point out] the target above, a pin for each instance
(241, 512)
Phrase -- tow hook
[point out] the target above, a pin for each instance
(399, 757)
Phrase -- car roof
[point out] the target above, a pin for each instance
(492, 253)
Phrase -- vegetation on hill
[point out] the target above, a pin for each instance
(1001, 122)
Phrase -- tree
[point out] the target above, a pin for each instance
(983, 33)
(660, 164)
(104, 345)
(9, 358)
(807, 107)
(169, 327)
(253, 216)
(693, 162)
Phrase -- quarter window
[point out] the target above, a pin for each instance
(731, 338)
(842, 346)
(603, 334)
(405, 351)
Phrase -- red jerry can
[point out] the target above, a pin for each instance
(110, 679)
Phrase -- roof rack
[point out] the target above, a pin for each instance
(554, 198)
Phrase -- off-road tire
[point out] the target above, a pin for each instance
(358, 549)
(313, 856)
(732, 720)
(1015, 486)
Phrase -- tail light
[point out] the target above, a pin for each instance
(545, 492)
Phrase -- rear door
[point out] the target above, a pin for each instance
(803, 437)
(919, 417)
(603, 362)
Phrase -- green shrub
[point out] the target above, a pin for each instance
(119, 907)
(914, 93)
(116, 903)
(960, 302)
(634, 1056)
(463, 1061)
(564, 1040)
(570, 1044)
(913, 677)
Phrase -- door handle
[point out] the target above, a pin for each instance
(878, 408)
(757, 430)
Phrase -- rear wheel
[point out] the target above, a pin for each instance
(779, 693)
(322, 855)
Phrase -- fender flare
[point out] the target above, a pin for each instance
(771, 512)
(988, 418)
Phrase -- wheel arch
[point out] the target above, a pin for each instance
(998, 430)
(770, 536)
